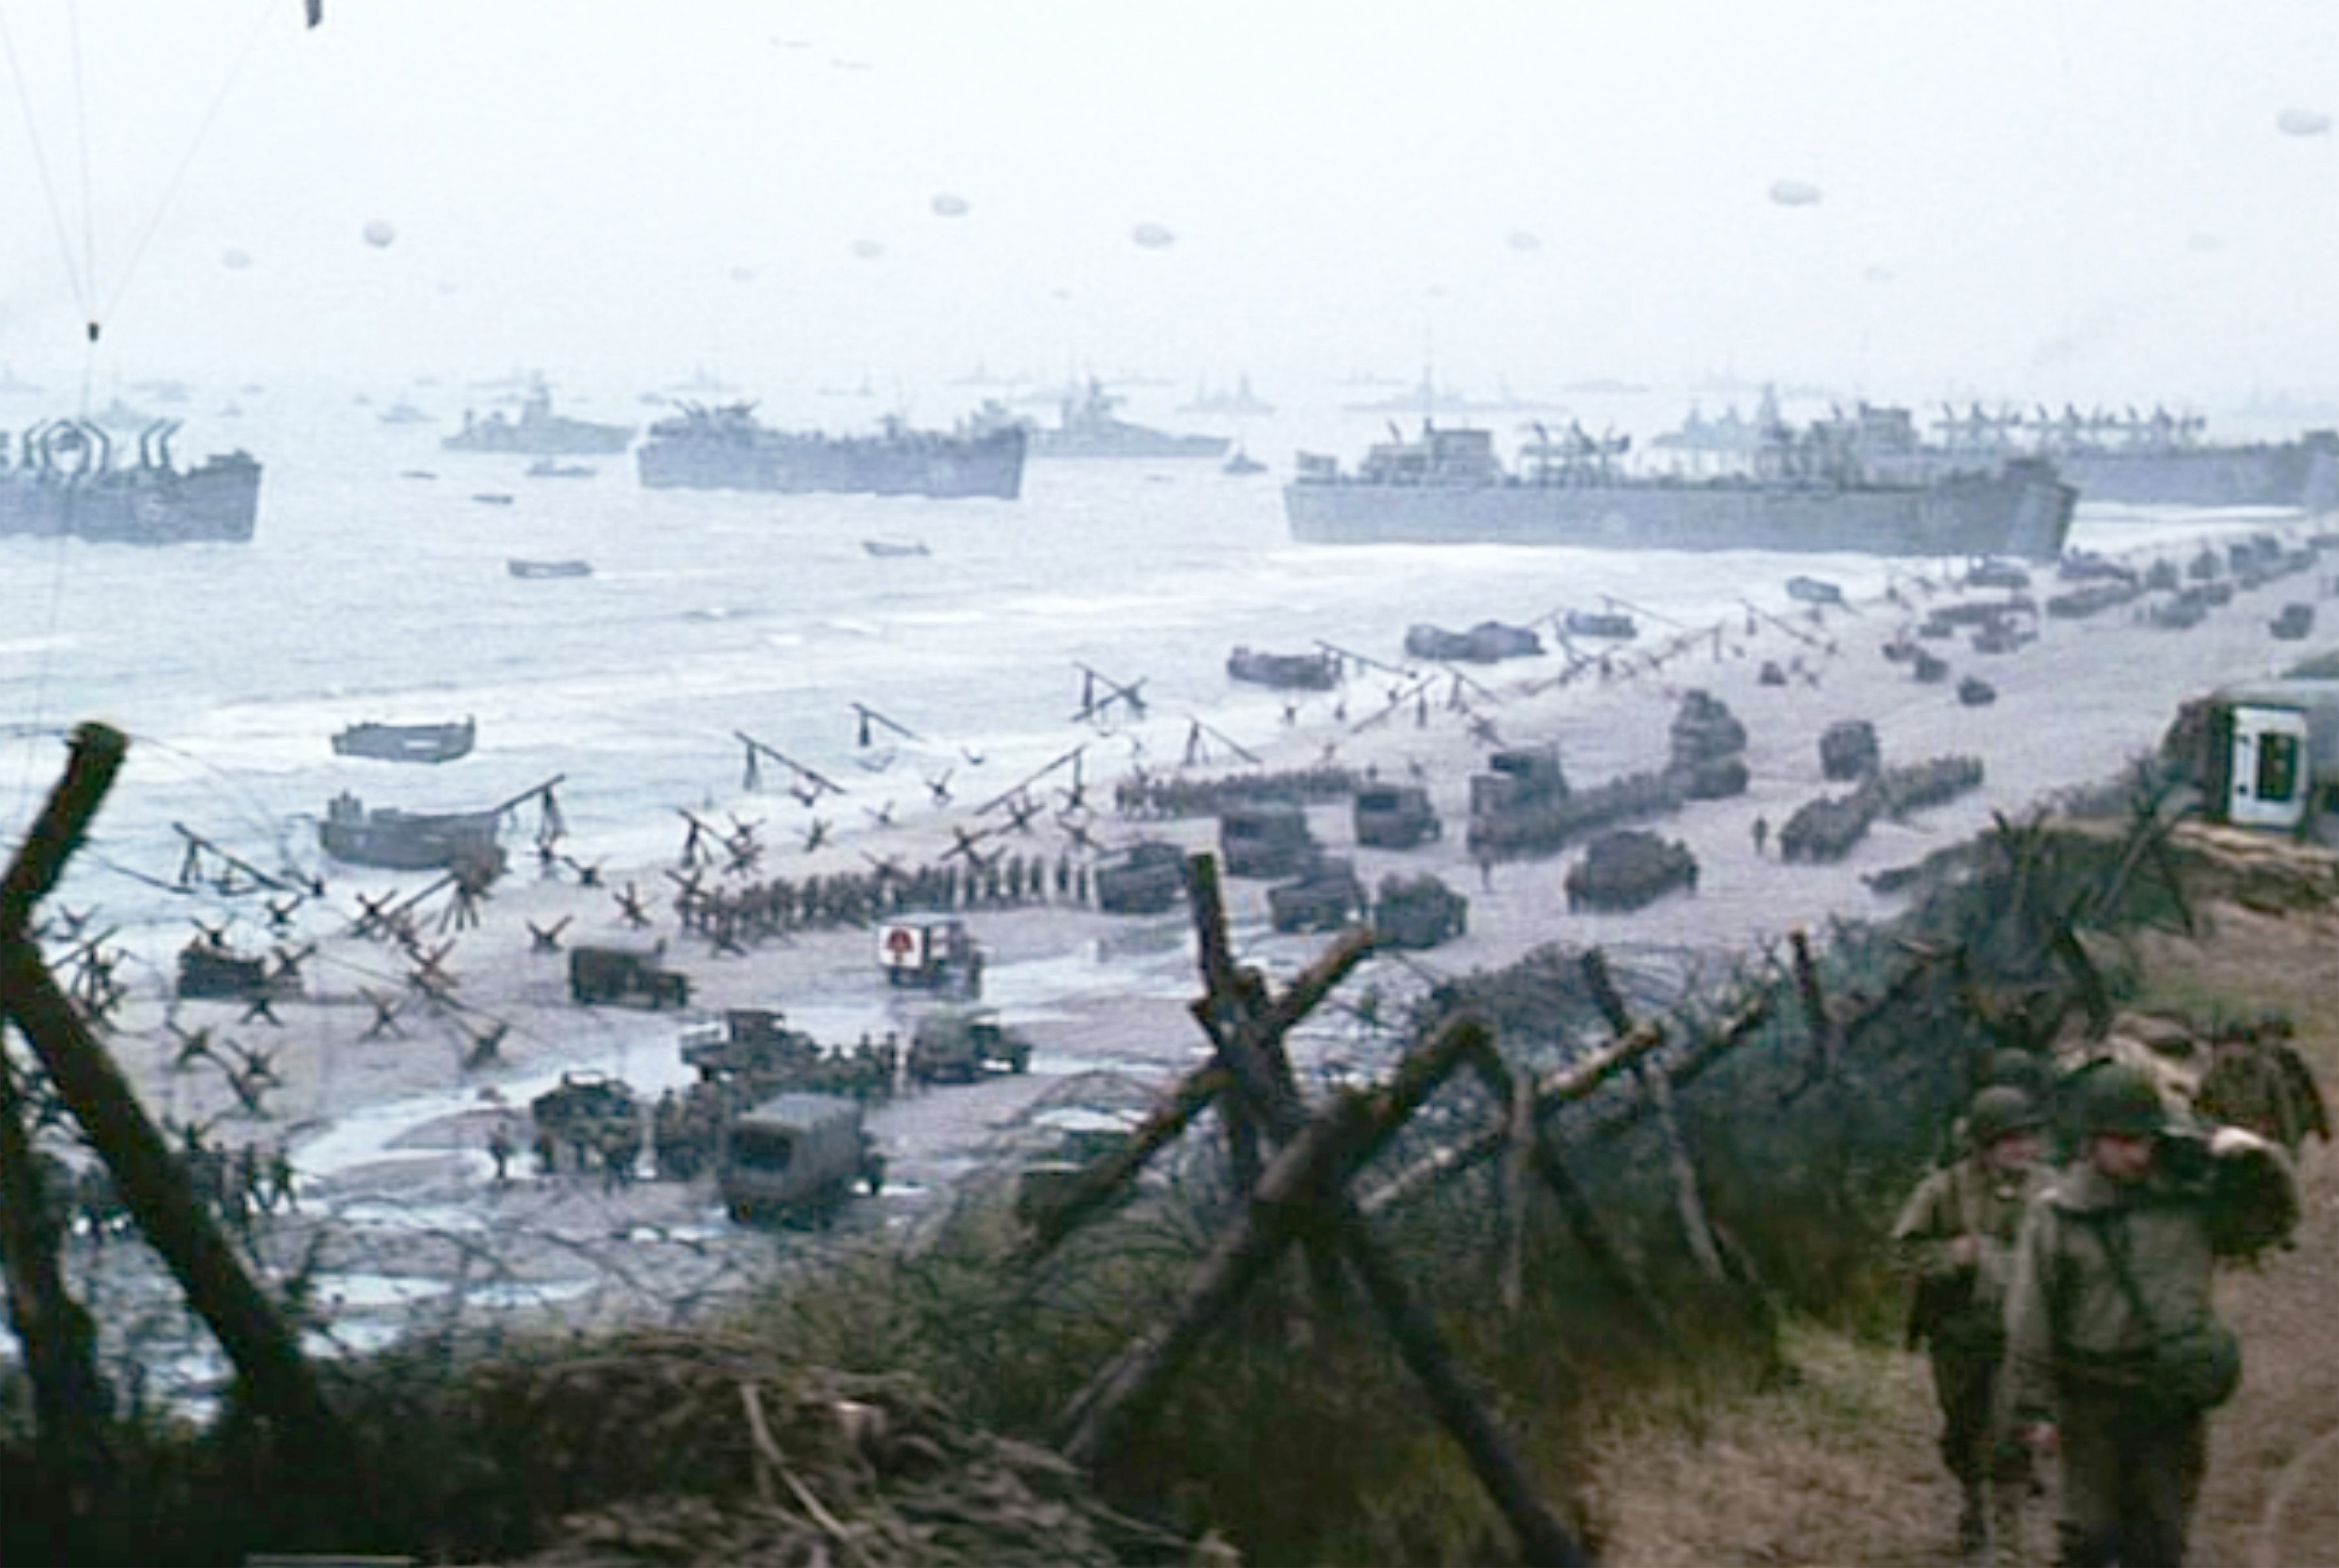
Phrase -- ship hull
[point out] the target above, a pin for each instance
(939, 466)
(216, 503)
(1130, 442)
(404, 841)
(567, 439)
(2303, 474)
(2022, 511)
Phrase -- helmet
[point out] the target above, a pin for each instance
(2000, 1112)
(2031, 1072)
(2118, 1098)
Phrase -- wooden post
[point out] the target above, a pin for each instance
(152, 1187)
(1543, 1540)
(59, 1341)
(1518, 1155)
(1346, 1136)
(1102, 1182)
(1824, 1035)
(1688, 1194)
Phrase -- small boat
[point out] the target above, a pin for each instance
(546, 468)
(416, 474)
(886, 549)
(438, 743)
(403, 413)
(1242, 464)
(1285, 672)
(1813, 591)
(1599, 624)
(492, 498)
(520, 568)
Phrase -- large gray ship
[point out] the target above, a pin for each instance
(65, 481)
(539, 432)
(1804, 490)
(726, 448)
(2156, 459)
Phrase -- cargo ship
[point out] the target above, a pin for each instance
(2156, 459)
(539, 432)
(1803, 491)
(63, 481)
(726, 448)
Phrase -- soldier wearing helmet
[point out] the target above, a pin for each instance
(2114, 1351)
(1955, 1237)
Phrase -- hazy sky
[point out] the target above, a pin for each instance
(2025, 198)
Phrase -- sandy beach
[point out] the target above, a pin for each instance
(389, 1130)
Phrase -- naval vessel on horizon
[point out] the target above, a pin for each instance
(539, 432)
(726, 449)
(1813, 489)
(1090, 429)
(62, 481)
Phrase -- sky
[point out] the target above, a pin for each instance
(2022, 199)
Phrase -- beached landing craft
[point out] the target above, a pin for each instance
(1803, 493)
(63, 481)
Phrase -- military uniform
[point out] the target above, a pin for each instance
(2251, 1085)
(2102, 1270)
(1959, 1316)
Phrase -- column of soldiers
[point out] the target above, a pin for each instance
(776, 907)
(2062, 1261)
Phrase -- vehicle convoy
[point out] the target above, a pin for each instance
(1418, 912)
(606, 974)
(1807, 490)
(1325, 896)
(795, 1158)
(1267, 838)
(930, 952)
(962, 1045)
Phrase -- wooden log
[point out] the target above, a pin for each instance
(1346, 1136)
(1824, 1033)
(155, 1190)
(1583, 1221)
(1543, 1538)
(1520, 1134)
(1576, 1081)
(58, 1339)
(1104, 1181)
(1689, 1196)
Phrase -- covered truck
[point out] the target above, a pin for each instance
(795, 1157)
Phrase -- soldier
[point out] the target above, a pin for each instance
(1761, 834)
(500, 1150)
(2113, 1353)
(1955, 1237)
(548, 1153)
(2250, 1084)
(281, 1187)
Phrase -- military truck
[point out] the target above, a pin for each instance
(1628, 868)
(1325, 896)
(621, 974)
(795, 1157)
(962, 1045)
(588, 1112)
(2264, 754)
(209, 970)
(930, 953)
(1395, 816)
(751, 1045)
(1847, 750)
(1145, 878)
(1418, 912)
(1270, 838)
